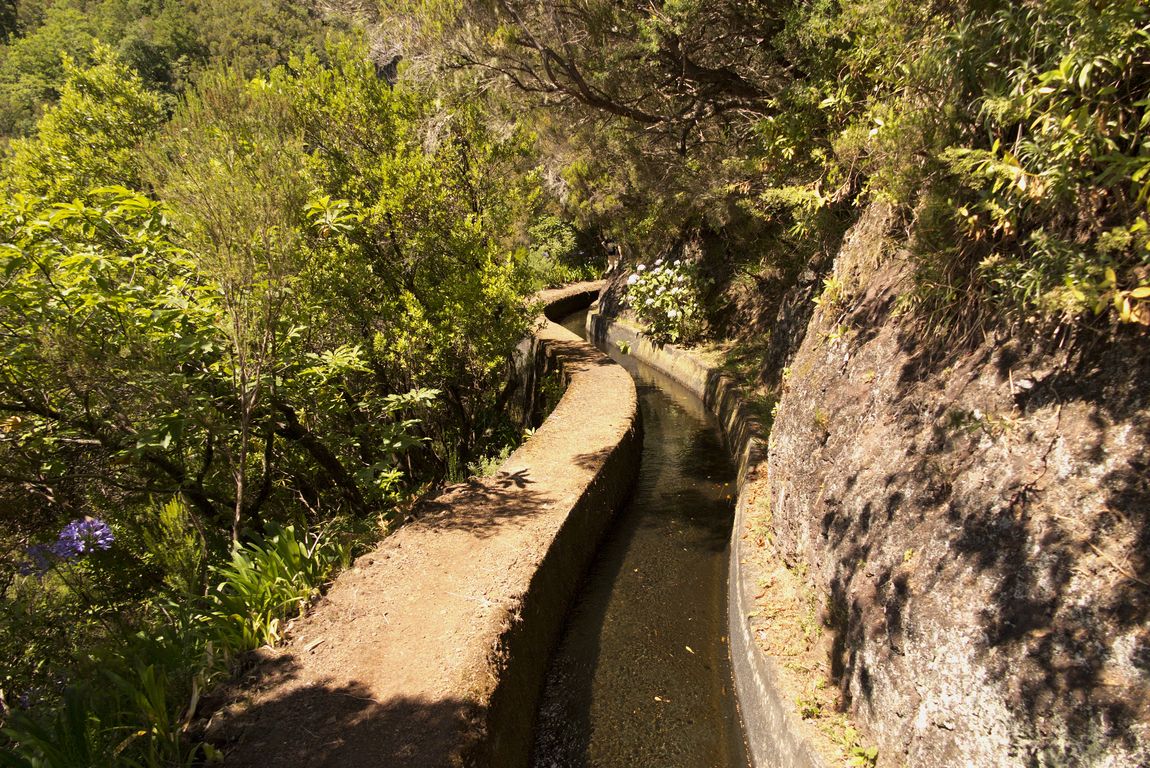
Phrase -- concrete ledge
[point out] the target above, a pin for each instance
(520, 660)
(772, 728)
(431, 651)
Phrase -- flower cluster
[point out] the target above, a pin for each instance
(79, 537)
(664, 299)
(82, 536)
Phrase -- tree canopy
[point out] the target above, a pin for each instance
(287, 306)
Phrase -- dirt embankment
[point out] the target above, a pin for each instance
(431, 649)
(974, 519)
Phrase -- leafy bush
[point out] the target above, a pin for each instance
(432, 239)
(32, 70)
(1013, 138)
(266, 582)
(73, 735)
(1054, 207)
(135, 693)
(665, 299)
(556, 257)
(169, 43)
(89, 137)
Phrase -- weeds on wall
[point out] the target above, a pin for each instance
(1019, 140)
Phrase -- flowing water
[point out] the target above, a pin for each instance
(641, 677)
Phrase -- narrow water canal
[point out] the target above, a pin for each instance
(641, 678)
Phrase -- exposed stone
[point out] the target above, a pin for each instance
(978, 515)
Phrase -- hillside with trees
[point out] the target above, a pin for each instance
(256, 299)
(264, 264)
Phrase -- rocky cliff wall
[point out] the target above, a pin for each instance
(975, 515)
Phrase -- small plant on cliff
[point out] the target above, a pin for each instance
(809, 708)
(863, 757)
(665, 299)
(834, 294)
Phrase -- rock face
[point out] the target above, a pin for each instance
(976, 514)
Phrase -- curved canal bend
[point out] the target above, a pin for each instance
(641, 677)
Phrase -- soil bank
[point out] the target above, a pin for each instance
(431, 649)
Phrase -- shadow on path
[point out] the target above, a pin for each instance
(341, 725)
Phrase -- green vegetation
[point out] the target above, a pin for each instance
(168, 42)
(259, 290)
(558, 256)
(254, 300)
(1012, 137)
(665, 299)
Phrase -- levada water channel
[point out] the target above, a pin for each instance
(641, 677)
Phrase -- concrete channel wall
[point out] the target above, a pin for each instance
(771, 725)
(594, 393)
(431, 650)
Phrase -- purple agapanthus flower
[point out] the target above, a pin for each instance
(82, 536)
(38, 562)
(78, 537)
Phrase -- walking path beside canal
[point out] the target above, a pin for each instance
(431, 649)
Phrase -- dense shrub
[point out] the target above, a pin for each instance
(1010, 136)
(665, 299)
(307, 319)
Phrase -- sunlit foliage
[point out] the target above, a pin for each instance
(287, 308)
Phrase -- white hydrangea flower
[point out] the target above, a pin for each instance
(632, 279)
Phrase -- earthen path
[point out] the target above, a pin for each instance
(428, 651)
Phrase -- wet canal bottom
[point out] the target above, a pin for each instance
(641, 677)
